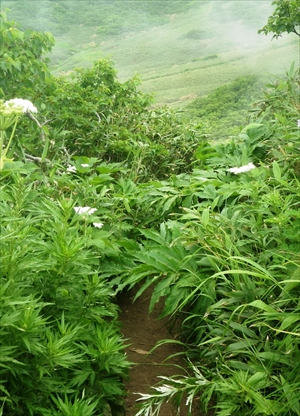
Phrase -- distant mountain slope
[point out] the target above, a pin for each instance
(110, 17)
(181, 49)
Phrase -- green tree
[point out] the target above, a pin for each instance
(23, 65)
(285, 18)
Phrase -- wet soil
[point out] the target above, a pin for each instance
(143, 331)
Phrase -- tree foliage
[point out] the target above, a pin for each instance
(93, 113)
(23, 64)
(285, 18)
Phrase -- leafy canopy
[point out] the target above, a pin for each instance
(285, 18)
(22, 59)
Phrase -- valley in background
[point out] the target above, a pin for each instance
(183, 51)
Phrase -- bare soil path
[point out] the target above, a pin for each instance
(143, 331)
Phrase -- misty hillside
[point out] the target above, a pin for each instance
(182, 50)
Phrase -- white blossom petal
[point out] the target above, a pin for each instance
(164, 389)
(242, 169)
(143, 396)
(98, 224)
(71, 168)
(85, 210)
(20, 104)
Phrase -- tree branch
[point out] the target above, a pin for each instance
(295, 31)
(29, 115)
(37, 159)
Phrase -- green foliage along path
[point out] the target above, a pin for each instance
(99, 192)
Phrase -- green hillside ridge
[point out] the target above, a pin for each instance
(180, 50)
(173, 64)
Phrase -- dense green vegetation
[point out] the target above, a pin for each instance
(182, 50)
(110, 17)
(171, 53)
(225, 109)
(285, 18)
(101, 190)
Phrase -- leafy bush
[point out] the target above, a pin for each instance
(23, 64)
(229, 264)
(226, 108)
(114, 121)
(95, 115)
(285, 18)
(61, 350)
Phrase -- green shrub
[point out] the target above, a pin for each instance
(227, 107)
(226, 258)
(60, 344)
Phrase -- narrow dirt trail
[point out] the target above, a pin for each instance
(143, 331)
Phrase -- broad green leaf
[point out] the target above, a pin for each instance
(263, 306)
(126, 204)
(205, 216)
(240, 365)
(277, 358)
(242, 345)
(255, 131)
(242, 328)
(259, 380)
(276, 170)
(290, 320)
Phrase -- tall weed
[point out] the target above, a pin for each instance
(60, 344)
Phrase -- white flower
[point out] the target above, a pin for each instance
(98, 224)
(85, 210)
(242, 169)
(71, 168)
(298, 124)
(20, 104)
(142, 144)
(85, 165)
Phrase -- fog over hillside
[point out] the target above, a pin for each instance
(180, 49)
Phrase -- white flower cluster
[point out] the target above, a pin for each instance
(71, 169)
(242, 169)
(85, 210)
(98, 224)
(142, 144)
(19, 104)
(88, 211)
(298, 124)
